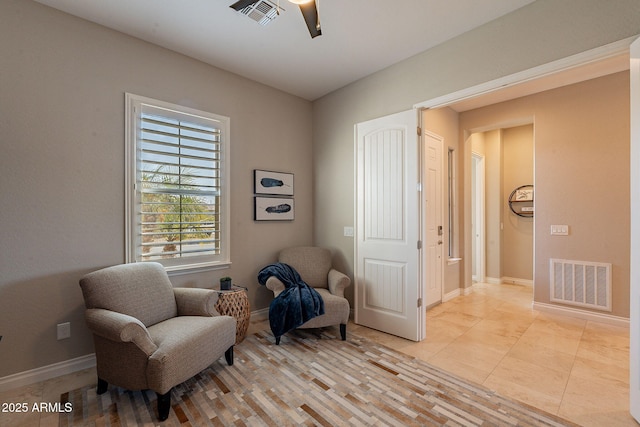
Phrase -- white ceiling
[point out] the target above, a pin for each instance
(358, 38)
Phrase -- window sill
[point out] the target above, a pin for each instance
(452, 261)
(179, 270)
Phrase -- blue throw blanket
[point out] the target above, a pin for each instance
(295, 305)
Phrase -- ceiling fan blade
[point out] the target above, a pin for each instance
(310, 13)
(239, 5)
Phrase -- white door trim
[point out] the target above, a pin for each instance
(634, 282)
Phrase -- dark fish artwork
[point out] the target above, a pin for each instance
(271, 182)
(282, 208)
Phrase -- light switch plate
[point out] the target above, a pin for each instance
(559, 230)
(348, 231)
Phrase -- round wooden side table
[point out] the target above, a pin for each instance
(235, 303)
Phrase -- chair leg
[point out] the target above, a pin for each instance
(102, 386)
(343, 332)
(228, 355)
(277, 340)
(164, 405)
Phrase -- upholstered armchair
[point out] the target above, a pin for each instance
(315, 268)
(149, 335)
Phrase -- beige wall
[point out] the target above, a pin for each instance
(517, 233)
(581, 175)
(62, 85)
(493, 203)
(541, 32)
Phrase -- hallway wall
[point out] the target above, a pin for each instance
(517, 231)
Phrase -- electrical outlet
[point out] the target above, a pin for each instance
(64, 330)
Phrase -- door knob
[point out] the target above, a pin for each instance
(439, 242)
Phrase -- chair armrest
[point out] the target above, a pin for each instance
(196, 302)
(338, 282)
(120, 327)
(274, 284)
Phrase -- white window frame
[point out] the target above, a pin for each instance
(134, 104)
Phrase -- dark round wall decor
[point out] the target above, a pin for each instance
(521, 201)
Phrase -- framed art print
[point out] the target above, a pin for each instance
(273, 209)
(274, 183)
(524, 194)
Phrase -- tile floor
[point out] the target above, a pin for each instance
(574, 368)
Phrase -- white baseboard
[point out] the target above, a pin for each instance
(516, 281)
(47, 372)
(74, 365)
(582, 314)
(451, 295)
(260, 315)
(507, 280)
(263, 314)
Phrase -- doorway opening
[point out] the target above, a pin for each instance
(502, 241)
(588, 65)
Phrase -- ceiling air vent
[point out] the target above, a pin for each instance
(262, 11)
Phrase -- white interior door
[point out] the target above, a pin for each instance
(388, 283)
(477, 216)
(634, 349)
(434, 230)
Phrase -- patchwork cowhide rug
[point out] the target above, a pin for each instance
(311, 378)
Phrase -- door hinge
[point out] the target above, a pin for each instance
(419, 302)
(419, 244)
(419, 130)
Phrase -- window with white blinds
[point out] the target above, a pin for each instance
(178, 185)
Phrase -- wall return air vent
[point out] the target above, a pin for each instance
(262, 11)
(581, 283)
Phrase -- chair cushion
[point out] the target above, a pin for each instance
(141, 290)
(186, 346)
(336, 310)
